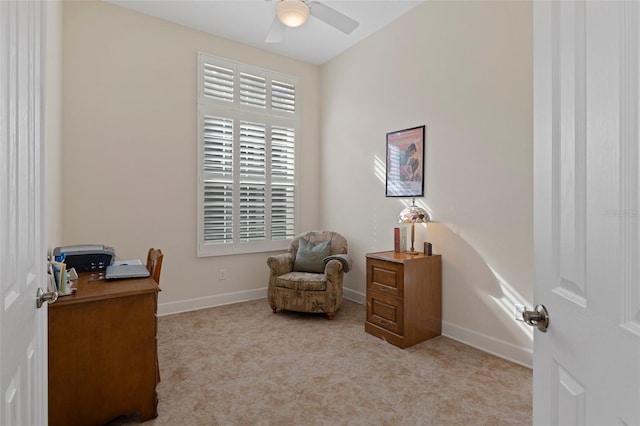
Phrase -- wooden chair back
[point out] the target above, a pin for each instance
(154, 263)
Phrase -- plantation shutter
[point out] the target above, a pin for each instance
(218, 82)
(218, 180)
(253, 90)
(247, 132)
(283, 97)
(252, 182)
(282, 183)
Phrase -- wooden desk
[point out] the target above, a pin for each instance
(102, 352)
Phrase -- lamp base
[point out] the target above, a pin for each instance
(412, 252)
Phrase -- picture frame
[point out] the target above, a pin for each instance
(405, 163)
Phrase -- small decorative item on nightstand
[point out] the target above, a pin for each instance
(399, 240)
(428, 248)
(396, 240)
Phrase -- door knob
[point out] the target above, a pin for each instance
(49, 296)
(537, 318)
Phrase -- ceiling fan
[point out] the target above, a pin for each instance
(293, 13)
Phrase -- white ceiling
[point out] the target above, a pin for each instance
(248, 21)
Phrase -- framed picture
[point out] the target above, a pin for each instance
(405, 163)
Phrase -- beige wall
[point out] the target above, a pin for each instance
(129, 170)
(463, 69)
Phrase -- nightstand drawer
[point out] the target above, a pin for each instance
(385, 277)
(385, 312)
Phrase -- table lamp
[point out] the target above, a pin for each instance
(413, 214)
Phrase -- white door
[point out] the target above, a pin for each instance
(586, 211)
(23, 337)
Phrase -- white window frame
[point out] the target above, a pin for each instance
(239, 112)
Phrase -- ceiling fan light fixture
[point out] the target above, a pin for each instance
(292, 13)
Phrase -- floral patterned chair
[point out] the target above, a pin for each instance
(308, 278)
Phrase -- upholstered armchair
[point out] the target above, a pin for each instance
(308, 278)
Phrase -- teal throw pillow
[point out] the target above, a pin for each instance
(310, 255)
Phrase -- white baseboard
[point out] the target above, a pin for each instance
(229, 298)
(354, 296)
(502, 349)
(210, 301)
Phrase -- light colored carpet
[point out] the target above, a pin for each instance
(242, 365)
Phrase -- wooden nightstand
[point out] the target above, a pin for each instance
(404, 297)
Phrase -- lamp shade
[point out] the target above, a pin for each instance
(413, 214)
(292, 13)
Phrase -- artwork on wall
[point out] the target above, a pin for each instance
(405, 163)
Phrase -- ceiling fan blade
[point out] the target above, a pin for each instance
(276, 31)
(332, 17)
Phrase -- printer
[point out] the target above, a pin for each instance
(86, 258)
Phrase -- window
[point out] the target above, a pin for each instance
(246, 154)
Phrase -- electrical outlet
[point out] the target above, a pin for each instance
(221, 274)
(519, 311)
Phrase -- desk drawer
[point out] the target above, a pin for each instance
(385, 277)
(385, 312)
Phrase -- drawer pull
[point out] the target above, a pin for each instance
(383, 322)
(383, 289)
